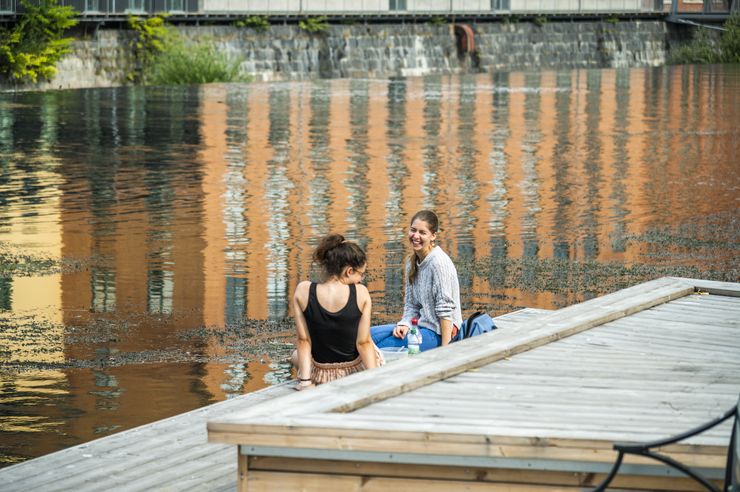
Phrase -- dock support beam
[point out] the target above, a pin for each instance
(242, 472)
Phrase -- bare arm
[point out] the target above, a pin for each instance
(365, 345)
(445, 326)
(411, 309)
(300, 300)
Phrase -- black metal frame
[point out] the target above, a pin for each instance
(644, 449)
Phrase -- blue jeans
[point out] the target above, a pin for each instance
(383, 337)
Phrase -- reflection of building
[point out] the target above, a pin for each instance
(30, 306)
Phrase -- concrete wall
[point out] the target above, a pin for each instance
(385, 50)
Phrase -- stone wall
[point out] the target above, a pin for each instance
(385, 50)
(571, 44)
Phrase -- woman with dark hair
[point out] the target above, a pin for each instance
(432, 290)
(333, 316)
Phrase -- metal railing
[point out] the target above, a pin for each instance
(368, 7)
(732, 469)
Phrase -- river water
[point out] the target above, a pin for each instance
(151, 237)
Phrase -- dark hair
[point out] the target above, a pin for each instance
(334, 254)
(433, 222)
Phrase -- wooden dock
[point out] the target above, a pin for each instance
(535, 407)
(169, 455)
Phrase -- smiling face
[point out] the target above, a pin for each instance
(421, 237)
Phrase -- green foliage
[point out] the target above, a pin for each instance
(314, 25)
(163, 57)
(730, 42)
(540, 20)
(612, 20)
(259, 23)
(701, 49)
(438, 21)
(151, 36)
(192, 63)
(705, 49)
(32, 47)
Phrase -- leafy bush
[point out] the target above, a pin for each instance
(151, 37)
(33, 46)
(701, 49)
(192, 63)
(164, 58)
(705, 49)
(314, 25)
(730, 42)
(257, 22)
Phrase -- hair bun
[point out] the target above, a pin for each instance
(334, 253)
(327, 244)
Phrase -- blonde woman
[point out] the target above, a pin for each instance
(432, 293)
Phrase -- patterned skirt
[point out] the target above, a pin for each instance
(324, 372)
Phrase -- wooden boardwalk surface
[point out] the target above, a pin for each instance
(169, 455)
(535, 407)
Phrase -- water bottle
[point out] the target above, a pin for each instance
(414, 337)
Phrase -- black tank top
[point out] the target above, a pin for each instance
(333, 335)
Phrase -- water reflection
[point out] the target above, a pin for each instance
(193, 213)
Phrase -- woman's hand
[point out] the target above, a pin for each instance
(400, 331)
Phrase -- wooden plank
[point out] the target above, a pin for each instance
(660, 329)
(620, 364)
(695, 313)
(181, 465)
(221, 476)
(709, 300)
(481, 441)
(242, 472)
(729, 289)
(469, 473)
(482, 410)
(704, 315)
(604, 430)
(138, 454)
(606, 426)
(315, 482)
(515, 318)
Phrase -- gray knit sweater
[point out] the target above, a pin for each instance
(435, 294)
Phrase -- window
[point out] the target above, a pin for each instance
(136, 5)
(500, 5)
(103, 283)
(92, 5)
(397, 5)
(175, 5)
(160, 290)
(7, 6)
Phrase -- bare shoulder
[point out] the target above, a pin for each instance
(301, 290)
(363, 295)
